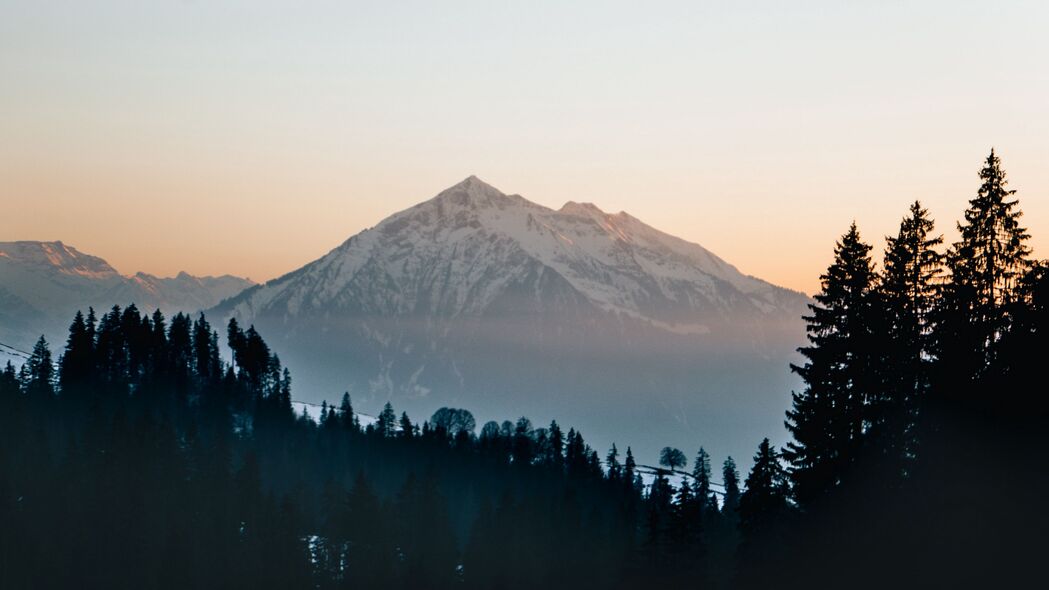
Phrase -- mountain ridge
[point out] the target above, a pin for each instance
(488, 300)
(43, 283)
(471, 203)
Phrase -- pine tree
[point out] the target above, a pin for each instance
(828, 418)
(9, 388)
(523, 449)
(407, 430)
(986, 267)
(555, 447)
(323, 417)
(701, 473)
(908, 296)
(576, 454)
(615, 470)
(347, 419)
(386, 425)
(284, 408)
(39, 379)
(180, 351)
(631, 477)
(206, 360)
(75, 365)
(111, 352)
(730, 476)
(764, 513)
(764, 502)
(686, 516)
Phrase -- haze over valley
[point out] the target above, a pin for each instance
(479, 299)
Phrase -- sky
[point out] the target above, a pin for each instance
(252, 137)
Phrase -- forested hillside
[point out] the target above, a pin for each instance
(138, 458)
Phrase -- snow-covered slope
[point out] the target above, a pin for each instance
(488, 300)
(457, 253)
(42, 284)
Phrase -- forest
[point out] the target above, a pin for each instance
(136, 456)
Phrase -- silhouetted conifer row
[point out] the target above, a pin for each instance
(142, 458)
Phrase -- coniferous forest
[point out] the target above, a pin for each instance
(133, 455)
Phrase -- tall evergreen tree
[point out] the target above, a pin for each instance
(631, 477)
(730, 477)
(615, 470)
(75, 365)
(701, 474)
(828, 418)
(764, 502)
(986, 267)
(386, 425)
(407, 430)
(908, 296)
(347, 419)
(9, 388)
(39, 379)
(206, 359)
(555, 446)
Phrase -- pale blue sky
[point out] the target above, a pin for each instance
(270, 132)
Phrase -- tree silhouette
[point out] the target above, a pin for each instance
(672, 458)
(908, 294)
(986, 266)
(828, 418)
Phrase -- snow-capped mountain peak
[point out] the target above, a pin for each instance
(42, 284)
(460, 251)
(473, 193)
(56, 257)
(481, 298)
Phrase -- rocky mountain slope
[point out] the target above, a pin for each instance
(509, 308)
(42, 284)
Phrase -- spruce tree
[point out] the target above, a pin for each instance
(75, 365)
(206, 360)
(386, 425)
(555, 447)
(764, 502)
(701, 473)
(523, 447)
(986, 267)
(39, 379)
(828, 418)
(730, 477)
(9, 389)
(908, 296)
(764, 511)
(686, 516)
(631, 477)
(407, 430)
(615, 470)
(347, 419)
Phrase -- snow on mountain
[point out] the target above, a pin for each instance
(506, 307)
(615, 261)
(42, 284)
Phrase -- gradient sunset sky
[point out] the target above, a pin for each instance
(252, 137)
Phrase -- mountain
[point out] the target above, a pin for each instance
(42, 284)
(491, 302)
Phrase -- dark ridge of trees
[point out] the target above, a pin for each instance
(916, 457)
(141, 459)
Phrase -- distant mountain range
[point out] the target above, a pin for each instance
(494, 303)
(42, 284)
